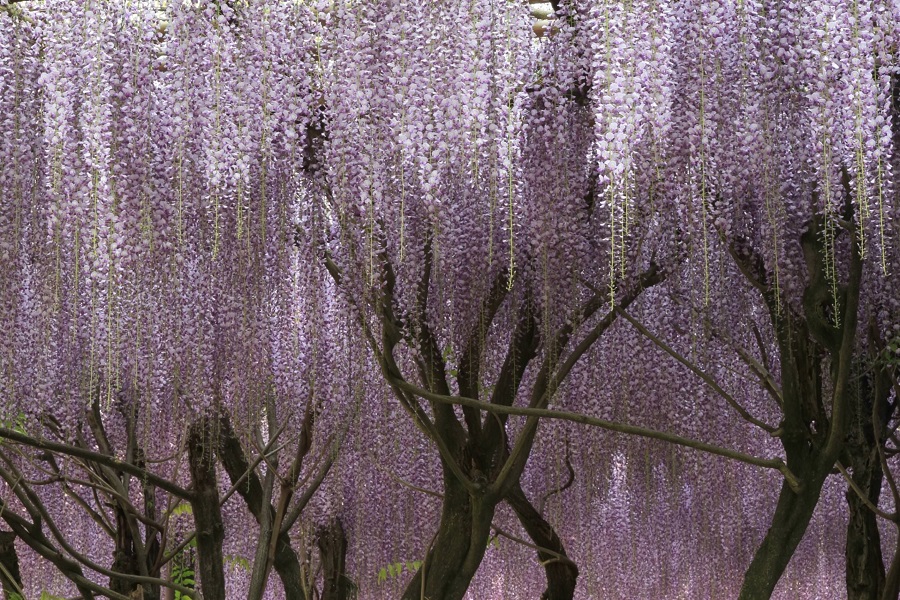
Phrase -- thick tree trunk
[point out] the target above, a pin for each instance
(789, 523)
(288, 568)
(124, 558)
(865, 565)
(207, 513)
(562, 573)
(259, 572)
(10, 576)
(458, 547)
(332, 544)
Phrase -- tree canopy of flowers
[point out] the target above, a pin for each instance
(330, 299)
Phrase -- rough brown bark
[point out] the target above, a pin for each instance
(152, 546)
(824, 331)
(864, 564)
(10, 577)
(206, 509)
(562, 573)
(892, 581)
(124, 557)
(458, 547)
(802, 393)
(332, 544)
(789, 523)
(865, 575)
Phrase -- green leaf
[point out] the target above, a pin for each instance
(184, 577)
(395, 569)
(413, 566)
(238, 560)
(890, 356)
(17, 424)
(486, 389)
(183, 570)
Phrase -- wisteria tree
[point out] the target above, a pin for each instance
(800, 214)
(806, 217)
(793, 185)
(236, 236)
(148, 342)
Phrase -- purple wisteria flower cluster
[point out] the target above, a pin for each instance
(332, 299)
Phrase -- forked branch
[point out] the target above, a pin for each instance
(707, 379)
(771, 463)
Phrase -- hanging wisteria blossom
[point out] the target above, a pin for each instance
(329, 299)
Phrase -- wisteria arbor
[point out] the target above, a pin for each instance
(272, 274)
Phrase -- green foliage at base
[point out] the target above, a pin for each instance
(183, 570)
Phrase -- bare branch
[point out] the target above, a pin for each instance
(770, 463)
(697, 371)
(762, 373)
(548, 382)
(864, 497)
(324, 468)
(558, 490)
(103, 459)
(407, 484)
(38, 542)
(81, 558)
(391, 372)
(840, 395)
(527, 544)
